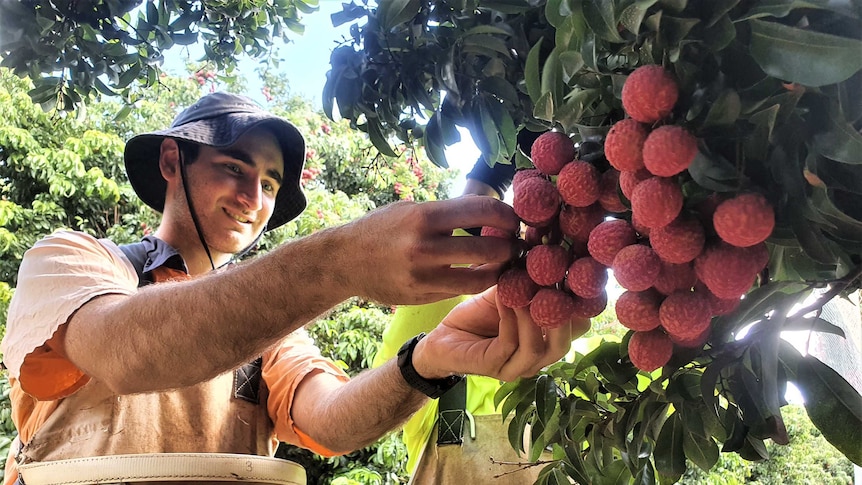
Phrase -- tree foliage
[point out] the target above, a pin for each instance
(77, 50)
(773, 92)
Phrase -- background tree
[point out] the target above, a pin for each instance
(77, 50)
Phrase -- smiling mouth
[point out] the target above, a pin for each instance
(238, 218)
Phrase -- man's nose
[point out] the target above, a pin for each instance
(251, 193)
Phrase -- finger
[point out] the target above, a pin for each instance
(444, 216)
(558, 342)
(459, 280)
(478, 313)
(448, 250)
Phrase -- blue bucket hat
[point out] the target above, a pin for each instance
(219, 120)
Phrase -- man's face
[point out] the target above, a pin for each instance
(234, 189)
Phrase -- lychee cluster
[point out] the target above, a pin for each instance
(682, 262)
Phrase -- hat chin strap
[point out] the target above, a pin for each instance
(197, 223)
(192, 211)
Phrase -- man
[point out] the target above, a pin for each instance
(101, 368)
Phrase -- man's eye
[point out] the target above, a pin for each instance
(268, 187)
(234, 168)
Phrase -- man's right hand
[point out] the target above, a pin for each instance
(404, 253)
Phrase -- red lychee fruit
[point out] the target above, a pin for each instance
(636, 267)
(669, 150)
(685, 314)
(547, 264)
(587, 277)
(692, 342)
(641, 229)
(630, 180)
(515, 288)
(638, 310)
(579, 249)
(744, 220)
(578, 184)
(657, 201)
(728, 271)
(536, 201)
(651, 350)
(497, 232)
(609, 197)
(524, 174)
(577, 222)
(551, 308)
(624, 144)
(678, 242)
(551, 151)
(758, 255)
(608, 238)
(718, 306)
(649, 94)
(590, 307)
(674, 277)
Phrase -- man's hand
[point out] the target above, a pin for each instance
(404, 252)
(481, 336)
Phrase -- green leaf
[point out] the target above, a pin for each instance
(839, 141)
(781, 8)
(833, 405)
(543, 108)
(633, 15)
(713, 172)
(486, 45)
(532, 77)
(129, 75)
(487, 29)
(123, 113)
(572, 62)
(508, 6)
(845, 226)
(803, 56)
(152, 13)
(599, 15)
(702, 451)
(184, 21)
(552, 76)
(391, 13)
(500, 88)
(812, 324)
(669, 454)
(725, 110)
(615, 473)
(375, 133)
(524, 392)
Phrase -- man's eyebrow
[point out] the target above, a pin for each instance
(245, 158)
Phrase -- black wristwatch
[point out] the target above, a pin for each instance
(432, 388)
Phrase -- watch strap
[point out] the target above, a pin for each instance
(432, 388)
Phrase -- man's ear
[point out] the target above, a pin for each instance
(169, 159)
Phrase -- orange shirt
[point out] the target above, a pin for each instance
(60, 274)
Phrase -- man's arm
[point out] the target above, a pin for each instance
(478, 337)
(175, 334)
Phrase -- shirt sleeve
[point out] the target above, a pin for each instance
(57, 276)
(283, 369)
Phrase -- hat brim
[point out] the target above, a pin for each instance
(142, 158)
